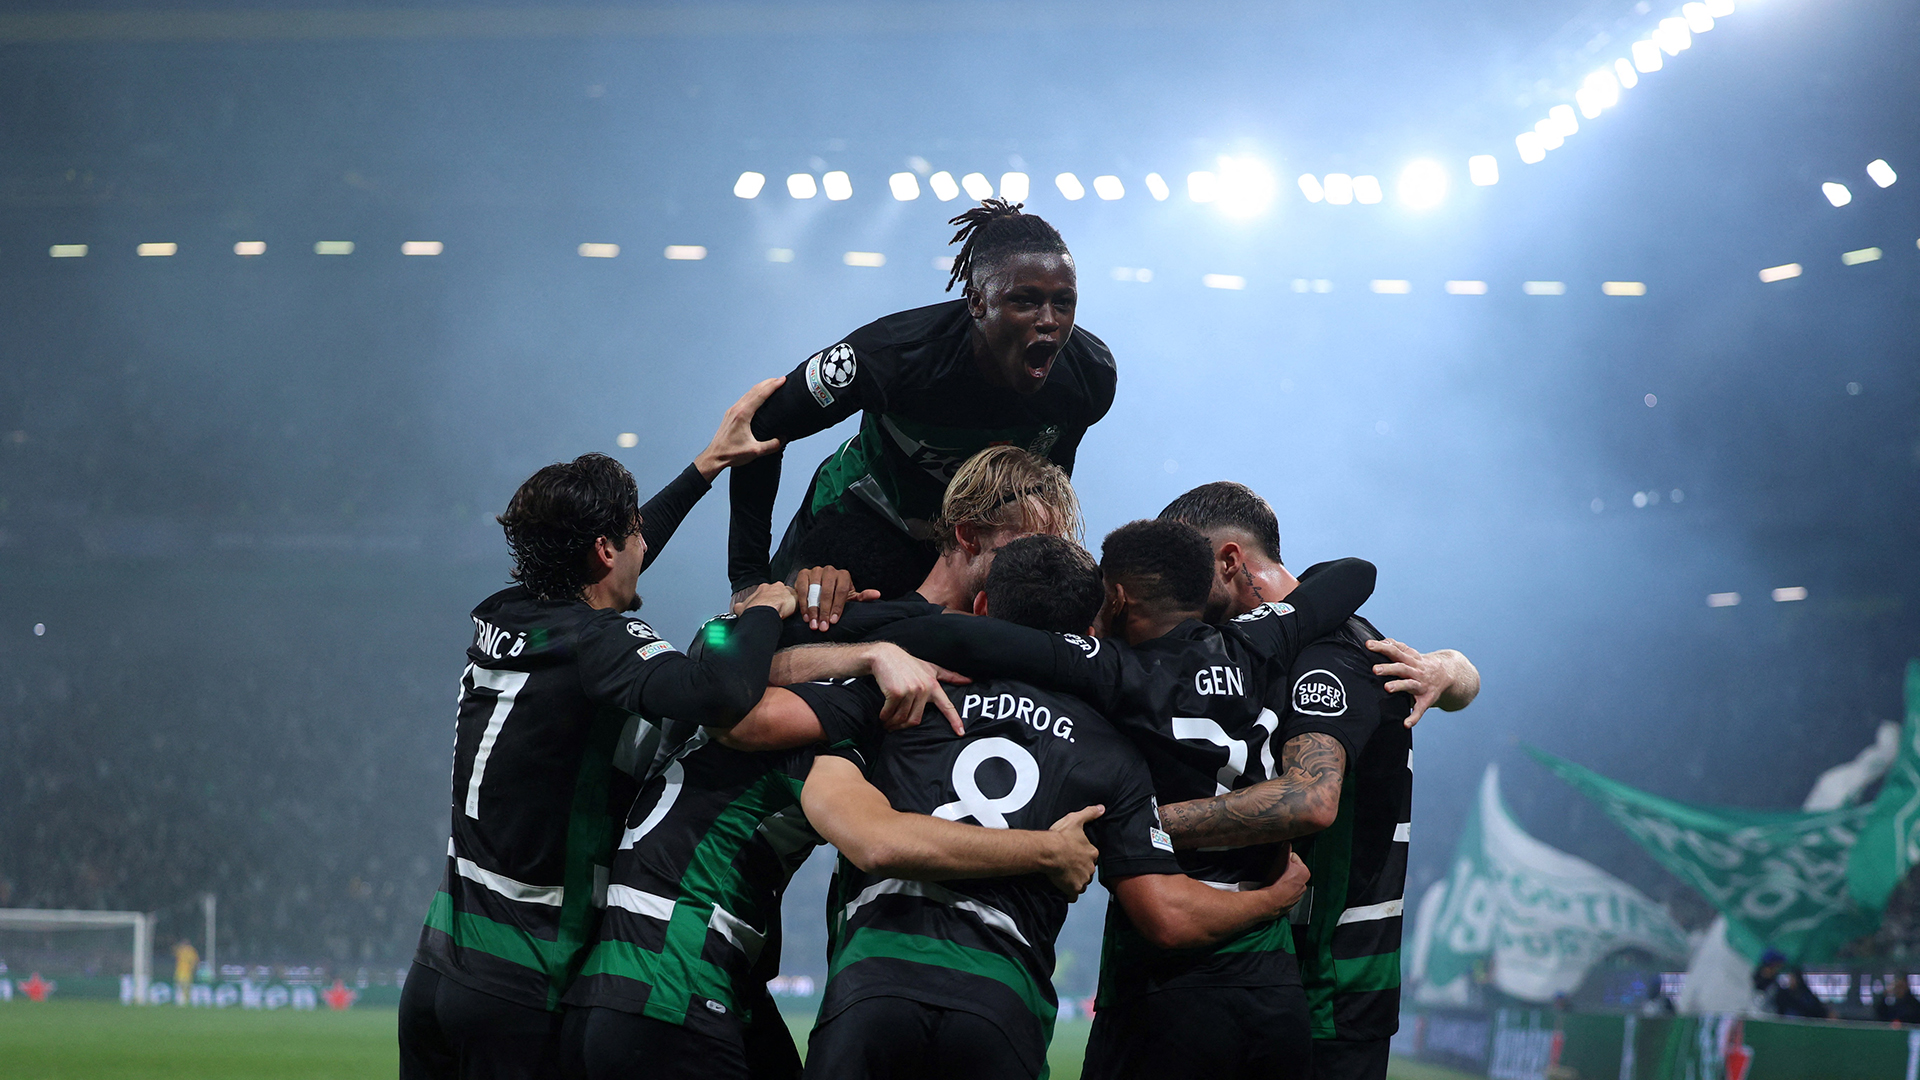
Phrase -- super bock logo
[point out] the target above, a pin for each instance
(1319, 693)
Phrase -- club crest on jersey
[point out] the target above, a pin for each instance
(648, 652)
(1264, 610)
(829, 371)
(1043, 442)
(1091, 648)
(641, 630)
(1319, 693)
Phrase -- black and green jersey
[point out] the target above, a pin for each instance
(556, 719)
(693, 901)
(927, 409)
(1350, 946)
(986, 946)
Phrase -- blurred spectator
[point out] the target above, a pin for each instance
(1796, 998)
(1657, 1003)
(1898, 1005)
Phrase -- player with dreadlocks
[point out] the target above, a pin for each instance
(1004, 364)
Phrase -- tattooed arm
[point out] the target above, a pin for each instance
(1304, 799)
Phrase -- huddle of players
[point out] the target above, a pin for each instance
(626, 816)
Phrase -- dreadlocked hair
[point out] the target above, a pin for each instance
(556, 516)
(991, 232)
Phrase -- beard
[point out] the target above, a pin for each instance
(632, 603)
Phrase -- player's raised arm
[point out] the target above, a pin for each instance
(825, 389)
(856, 818)
(733, 444)
(625, 664)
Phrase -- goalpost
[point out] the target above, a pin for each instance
(47, 919)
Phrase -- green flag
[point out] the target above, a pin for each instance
(1779, 876)
(1538, 919)
(1889, 843)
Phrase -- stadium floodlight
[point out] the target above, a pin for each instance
(1203, 186)
(1789, 594)
(864, 258)
(1719, 9)
(780, 255)
(1550, 136)
(749, 185)
(68, 251)
(801, 186)
(1780, 273)
(1837, 194)
(1860, 255)
(1391, 286)
(904, 185)
(1483, 170)
(1544, 288)
(685, 252)
(1423, 184)
(1467, 288)
(1223, 281)
(1699, 20)
(1881, 173)
(1673, 36)
(1623, 288)
(1339, 188)
(1070, 186)
(250, 247)
(1723, 599)
(333, 247)
(1157, 187)
(422, 247)
(1109, 187)
(1366, 189)
(1015, 186)
(1533, 149)
(837, 185)
(943, 186)
(1247, 186)
(1310, 187)
(1563, 119)
(599, 251)
(1623, 70)
(1646, 55)
(977, 186)
(1600, 91)
(149, 251)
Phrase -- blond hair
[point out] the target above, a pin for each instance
(1005, 487)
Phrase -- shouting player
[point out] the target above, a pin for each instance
(955, 980)
(1003, 364)
(548, 736)
(1346, 777)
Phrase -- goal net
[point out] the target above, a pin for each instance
(34, 941)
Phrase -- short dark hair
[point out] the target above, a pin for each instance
(873, 550)
(1045, 582)
(991, 233)
(555, 517)
(1224, 504)
(1166, 565)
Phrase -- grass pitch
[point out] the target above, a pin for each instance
(99, 1040)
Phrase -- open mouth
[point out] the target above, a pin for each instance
(1039, 358)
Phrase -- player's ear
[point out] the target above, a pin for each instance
(976, 304)
(1229, 560)
(968, 537)
(980, 602)
(602, 556)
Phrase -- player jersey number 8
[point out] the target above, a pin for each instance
(972, 802)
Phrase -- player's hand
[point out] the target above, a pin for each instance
(1424, 675)
(734, 443)
(1074, 861)
(911, 684)
(824, 592)
(1291, 885)
(773, 595)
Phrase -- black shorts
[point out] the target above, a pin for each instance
(616, 1045)
(1216, 1033)
(453, 1032)
(891, 1038)
(1348, 1059)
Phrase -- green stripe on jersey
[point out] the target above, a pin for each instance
(1366, 973)
(482, 934)
(865, 943)
(1275, 936)
(712, 878)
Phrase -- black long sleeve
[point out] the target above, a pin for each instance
(668, 508)
(728, 679)
(1329, 593)
(992, 648)
(751, 491)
